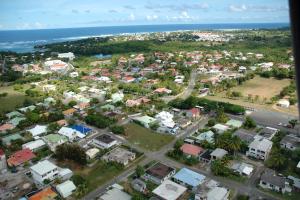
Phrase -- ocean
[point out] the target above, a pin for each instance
(24, 40)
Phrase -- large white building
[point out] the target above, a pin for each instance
(260, 148)
(166, 122)
(68, 55)
(44, 170)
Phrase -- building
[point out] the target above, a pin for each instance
(220, 128)
(242, 168)
(284, 103)
(245, 135)
(47, 193)
(44, 170)
(260, 148)
(218, 193)
(65, 174)
(268, 132)
(53, 140)
(34, 145)
(158, 173)
(145, 121)
(218, 154)
(114, 193)
(8, 139)
(38, 130)
(92, 153)
(290, 142)
(68, 55)
(193, 113)
(66, 188)
(269, 180)
(119, 155)
(3, 164)
(6, 127)
(71, 133)
(20, 157)
(166, 123)
(191, 150)
(139, 185)
(189, 178)
(234, 123)
(169, 190)
(207, 136)
(104, 141)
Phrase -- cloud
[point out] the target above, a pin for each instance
(36, 25)
(131, 17)
(183, 17)
(237, 8)
(129, 7)
(75, 11)
(113, 11)
(180, 7)
(87, 11)
(151, 17)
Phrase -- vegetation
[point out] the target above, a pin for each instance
(99, 120)
(249, 123)
(71, 152)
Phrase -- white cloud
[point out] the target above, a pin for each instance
(237, 8)
(131, 17)
(184, 16)
(151, 17)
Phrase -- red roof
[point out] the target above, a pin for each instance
(1, 152)
(20, 157)
(195, 111)
(45, 194)
(191, 149)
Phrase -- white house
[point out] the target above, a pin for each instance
(70, 133)
(220, 128)
(68, 55)
(146, 121)
(260, 148)
(284, 103)
(34, 145)
(44, 170)
(38, 130)
(92, 153)
(165, 120)
(66, 188)
(104, 141)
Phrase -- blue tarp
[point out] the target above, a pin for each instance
(82, 129)
(189, 177)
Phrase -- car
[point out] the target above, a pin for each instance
(280, 124)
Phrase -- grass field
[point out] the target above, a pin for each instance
(12, 100)
(145, 138)
(264, 87)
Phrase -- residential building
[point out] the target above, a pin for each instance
(242, 168)
(162, 91)
(6, 127)
(44, 170)
(104, 141)
(13, 114)
(68, 55)
(114, 193)
(234, 123)
(6, 140)
(158, 173)
(193, 113)
(38, 130)
(220, 128)
(218, 153)
(71, 133)
(53, 140)
(189, 178)
(138, 185)
(245, 135)
(169, 190)
(269, 180)
(119, 155)
(66, 188)
(207, 136)
(92, 153)
(191, 150)
(46, 193)
(284, 103)
(20, 157)
(218, 193)
(146, 121)
(290, 142)
(166, 122)
(34, 145)
(260, 148)
(268, 132)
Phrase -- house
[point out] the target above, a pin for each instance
(82, 129)
(117, 97)
(269, 180)
(268, 132)
(42, 171)
(205, 156)
(26, 109)
(65, 174)
(34, 145)
(189, 178)
(54, 140)
(37, 130)
(68, 55)
(162, 91)
(57, 66)
(20, 157)
(234, 123)
(49, 87)
(119, 155)
(184, 122)
(116, 192)
(139, 185)
(242, 168)
(295, 182)
(220, 128)
(158, 173)
(13, 114)
(260, 148)
(191, 150)
(92, 153)
(69, 112)
(3, 164)
(146, 121)
(7, 140)
(207, 136)
(165, 120)
(290, 142)
(242, 69)
(104, 141)
(16, 121)
(193, 113)
(245, 135)
(47, 193)
(66, 188)
(218, 193)
(169, 190)
(6, 127)
(218, 153)
(284, 103)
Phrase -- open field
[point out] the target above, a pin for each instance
(12, 100)
(264, 87)
(145, 138)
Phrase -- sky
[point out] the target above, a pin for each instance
(43, 14)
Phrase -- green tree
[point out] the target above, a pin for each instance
(139, 170)
(249, 123)
(119, 130)
(221, 116)
(293, 122)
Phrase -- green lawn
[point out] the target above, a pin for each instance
(145, 138)
(12, 100)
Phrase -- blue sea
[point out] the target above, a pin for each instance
(24, 40)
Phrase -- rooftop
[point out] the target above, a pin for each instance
(43, 167)
(191, 149)
(159, 170)
(189, 177)
(169, 190)
(269, 176)
(20, 157)
(45, 194)
(105, 138)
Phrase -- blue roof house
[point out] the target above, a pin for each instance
(189, 178)
(82, 129)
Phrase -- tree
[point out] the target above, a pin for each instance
(139, 170)
(249, 123)
(72, 152)
(221, 116)
(72, 103)
(154, 126)
(218, 168)
(293, 122)
(119, 130)
(211, 122)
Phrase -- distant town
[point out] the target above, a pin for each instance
(203, 115)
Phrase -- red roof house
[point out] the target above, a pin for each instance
(20, 157)
(191, 150)
(194, 113)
